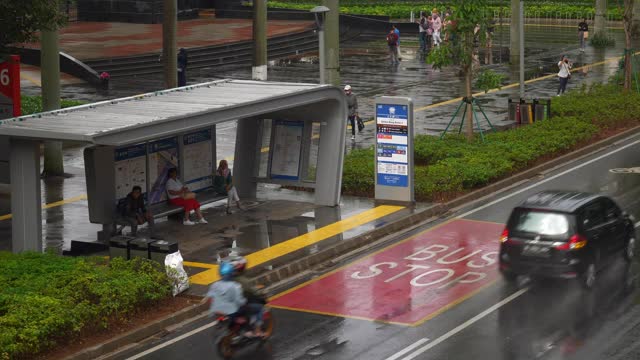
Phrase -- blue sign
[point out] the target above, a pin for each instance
(392, 129)
(196, 137)
(164, 144)
(130, 152)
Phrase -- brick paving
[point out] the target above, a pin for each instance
(97, 40)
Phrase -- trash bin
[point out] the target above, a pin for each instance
(119, 247)
(526, 112)
(514, 110)
(542, 109)
(139, 247)
(158, 250)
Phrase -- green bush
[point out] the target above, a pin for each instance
(45, 298)
(447, 167)
(33, 104)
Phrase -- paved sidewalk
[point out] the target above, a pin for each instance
(97, 40)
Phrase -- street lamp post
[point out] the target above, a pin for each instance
(521, 15)
(320, 12)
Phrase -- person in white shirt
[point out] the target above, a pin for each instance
(180, 195)
(564, 74)
(437, 28)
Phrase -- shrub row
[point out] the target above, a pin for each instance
(402, 10)
(454, 165)
(33, 104)
(46, 298)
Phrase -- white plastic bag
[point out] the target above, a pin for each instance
(175, 272)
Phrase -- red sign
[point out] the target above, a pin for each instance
(408, 282)
(10, 87)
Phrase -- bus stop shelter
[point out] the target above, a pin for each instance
(136, 140)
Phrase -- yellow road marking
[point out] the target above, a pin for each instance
(339, 315)
(53, 204)
(23, 75)
(263, 256)
(199, 265)
(419, 322)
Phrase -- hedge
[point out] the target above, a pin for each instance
(33, 104)
(402, 9)
(46, 299)
(453, 165)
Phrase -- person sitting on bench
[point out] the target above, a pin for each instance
(180, 195)
(134, 212)
(223, 185)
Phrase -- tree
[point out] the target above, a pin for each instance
(628, 33)
(20, 20)
(468, 29)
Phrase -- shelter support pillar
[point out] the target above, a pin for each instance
(330, 157)
(26, 207)
(246, 155)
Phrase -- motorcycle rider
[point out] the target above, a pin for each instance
(255, 298)
(226, 297)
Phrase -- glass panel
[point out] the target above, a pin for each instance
(313, 152)
(542, 223)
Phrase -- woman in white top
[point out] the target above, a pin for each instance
(180, 195)
(564, 74)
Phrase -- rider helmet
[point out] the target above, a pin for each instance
(239, 264)
(226, 270)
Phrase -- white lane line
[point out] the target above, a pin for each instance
(637, 224)
(466, 324)
(172, 341)
(546, 180)
(399, 354)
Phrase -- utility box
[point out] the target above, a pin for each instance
(159, 249)
(541, 109)
(119, 247)
(139, 248)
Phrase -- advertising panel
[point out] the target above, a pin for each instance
(163, 155)
(198, 159)
(10, 87)
(392, 141)
(131, 169)
(286, 153)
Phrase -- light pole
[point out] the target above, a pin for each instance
(521, 25)
(320, 12)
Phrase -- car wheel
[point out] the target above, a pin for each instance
(509, 276)
(630, 250)
(589, 276)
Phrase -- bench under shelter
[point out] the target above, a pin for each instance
(287, 133)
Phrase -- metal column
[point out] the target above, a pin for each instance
(330, 156)
(26, 207)
(245, 162)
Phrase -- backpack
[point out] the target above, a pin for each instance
(392, 39)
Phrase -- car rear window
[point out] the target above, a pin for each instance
(540, 222)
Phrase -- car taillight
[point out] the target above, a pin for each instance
(505, 236)
(575, 242)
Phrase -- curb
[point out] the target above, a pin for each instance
(138, 334)
(353, 247)
(281, 273)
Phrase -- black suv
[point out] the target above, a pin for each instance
(565, 235)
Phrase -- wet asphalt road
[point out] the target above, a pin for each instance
(538, 320)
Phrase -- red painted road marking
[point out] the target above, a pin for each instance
(410, 281)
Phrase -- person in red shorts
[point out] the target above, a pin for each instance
(180, 195)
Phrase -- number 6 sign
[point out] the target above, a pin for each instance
(10, 87)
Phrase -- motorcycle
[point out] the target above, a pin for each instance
(235, 337)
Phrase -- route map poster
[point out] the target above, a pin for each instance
(163, 155)
(285, 159)
(392, 130)
(198, 159)
(131, 169)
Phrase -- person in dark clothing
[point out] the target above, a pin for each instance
(392, 41)
(183, 61)
(352, 106)
(423, 26)
(583, 33)
(134, 211)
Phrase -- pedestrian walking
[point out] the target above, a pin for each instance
(423, 26)
(392, 42)
(583, 33)
(352, 104)
(564, 74)
(183, 61)
(395, 30)
(429, 32)
(437, 28)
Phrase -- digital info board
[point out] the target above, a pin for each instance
(394, 149)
